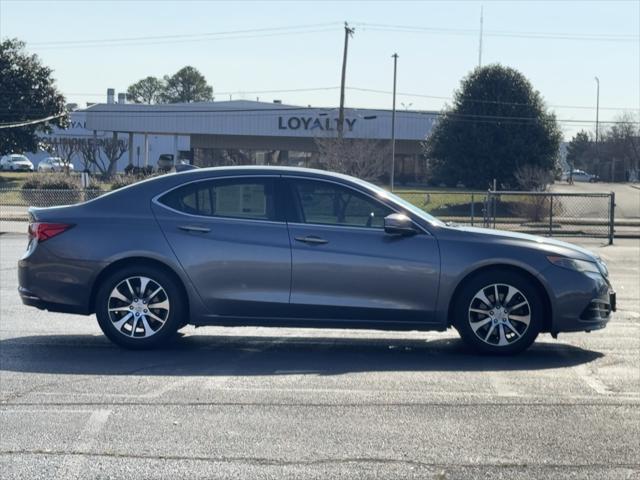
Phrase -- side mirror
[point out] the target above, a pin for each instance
(399, 224)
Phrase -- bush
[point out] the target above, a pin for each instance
(50, 181)
(538, 208)
(45, 190)
(50, 189)
(138, 171)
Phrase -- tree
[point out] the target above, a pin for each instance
(63, 147)
(27, 93)
(103, 154)
(580, 150)
(148, 90)
(187, 85)
(497, 124)
(365, 159)
(621, 144)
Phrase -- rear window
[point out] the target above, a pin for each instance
(237, 198)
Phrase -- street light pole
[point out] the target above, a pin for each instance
(597, 107)
(393, 121)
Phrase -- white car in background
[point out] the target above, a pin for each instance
(580, 176)
(15, 162)
(53, 164)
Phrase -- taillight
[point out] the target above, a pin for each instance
(44, 231)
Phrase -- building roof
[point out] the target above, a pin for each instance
(252, 118)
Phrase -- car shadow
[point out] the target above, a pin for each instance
(205, 355)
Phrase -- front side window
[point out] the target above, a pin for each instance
(331, 204)
(237, 198)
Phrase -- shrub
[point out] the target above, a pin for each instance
(46, 190)
(138, 171)
(50, 181)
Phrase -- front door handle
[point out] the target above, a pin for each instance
(194, 228)
(312, 239)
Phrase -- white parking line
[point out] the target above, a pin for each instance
(72, 466)
(591, 380)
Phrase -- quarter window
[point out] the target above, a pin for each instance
(237, 198)
(331, 204)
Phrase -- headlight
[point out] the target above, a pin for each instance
(603, 268)
(574, 264)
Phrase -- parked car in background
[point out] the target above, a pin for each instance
(15, 162)
(247, 246)
(165, 162)
(579, 176)
(53, 164)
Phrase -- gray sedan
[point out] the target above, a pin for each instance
(296, 247)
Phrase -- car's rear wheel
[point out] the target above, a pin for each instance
(140, 307)
(498, 312)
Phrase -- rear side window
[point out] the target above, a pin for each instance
(238, 198)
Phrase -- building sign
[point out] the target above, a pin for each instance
(311, 123)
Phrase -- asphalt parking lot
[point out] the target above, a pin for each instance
(284, 403)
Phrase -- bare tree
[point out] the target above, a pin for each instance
(113, 149)
(103, 154)
(365, 159)
(621, 143)
(64, 148)
(533, 178)
(89, 152)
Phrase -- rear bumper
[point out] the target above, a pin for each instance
(32, 300)
(50, 283)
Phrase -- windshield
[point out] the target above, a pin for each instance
(18, 158)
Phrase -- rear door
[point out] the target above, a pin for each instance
(230, 236)
(344, 265)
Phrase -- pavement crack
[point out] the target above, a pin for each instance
(263, 461)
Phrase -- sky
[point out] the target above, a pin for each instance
(296, 48)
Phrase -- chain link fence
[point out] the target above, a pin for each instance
(552, 214)
(538, 213)
(14, 203)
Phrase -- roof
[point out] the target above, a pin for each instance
(256, 119)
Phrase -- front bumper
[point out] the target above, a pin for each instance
(581, 302)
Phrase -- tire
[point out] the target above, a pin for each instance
(144, 327)
(507, 328)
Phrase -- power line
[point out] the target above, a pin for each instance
(275, 32)
(607, 37)
(30, 122)
(498, 102)
(317, 28)
(359, 89)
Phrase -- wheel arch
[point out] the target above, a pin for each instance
(128, 261)
(548, 310)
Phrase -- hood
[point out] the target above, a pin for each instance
(534, 241)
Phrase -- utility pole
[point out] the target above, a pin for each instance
(597, 107)
(348, 32)
(481, 28)
(393, 121)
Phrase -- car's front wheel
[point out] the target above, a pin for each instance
(498, 312)
(140, 307)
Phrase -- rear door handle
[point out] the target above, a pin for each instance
(194, 228)
(312, 239)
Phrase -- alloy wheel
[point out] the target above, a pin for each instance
(138, 307)
(499, 314)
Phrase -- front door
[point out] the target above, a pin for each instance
(232, 241)
(344, 265)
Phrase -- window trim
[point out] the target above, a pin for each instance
(156, 199)
(389, 205)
